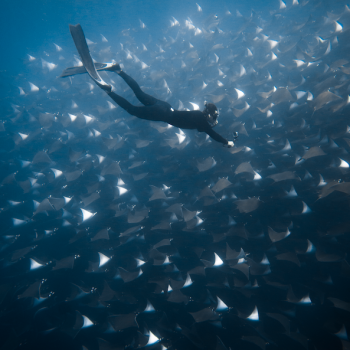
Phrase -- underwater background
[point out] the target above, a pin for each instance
(120, 233)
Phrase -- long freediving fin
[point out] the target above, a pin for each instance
(82, 47)
(81, 69)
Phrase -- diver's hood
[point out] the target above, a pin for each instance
(211, 113)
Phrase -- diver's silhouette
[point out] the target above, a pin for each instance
(153, 109)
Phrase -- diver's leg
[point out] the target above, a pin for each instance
(144, 98)
(81, 45)
(122, 102)
(152, 113)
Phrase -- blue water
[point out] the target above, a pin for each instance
(271, 243)
(33, 26)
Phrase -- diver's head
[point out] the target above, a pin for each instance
(211, 113)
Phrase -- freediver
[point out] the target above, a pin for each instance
(153, 109)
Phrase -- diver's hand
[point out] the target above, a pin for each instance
(230, 144)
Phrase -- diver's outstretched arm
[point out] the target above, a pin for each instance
(81, 45)
(217, 137)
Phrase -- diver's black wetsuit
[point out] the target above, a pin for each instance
(157, 110)
(153, 108)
